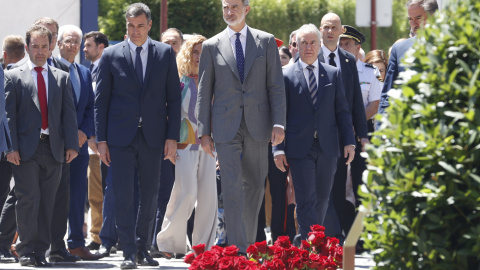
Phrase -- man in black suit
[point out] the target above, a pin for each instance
(13, 51)
(331, 29)
(44, 135)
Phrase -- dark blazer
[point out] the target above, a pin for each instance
(25, 119)
(120, 102)
(330, 115)
(5, 143)
(353, 92)
(58, 64)
(86, 102)
(393, 69)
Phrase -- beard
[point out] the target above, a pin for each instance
(235, 22)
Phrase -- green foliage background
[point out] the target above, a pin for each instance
(279, 17)
(423, 183)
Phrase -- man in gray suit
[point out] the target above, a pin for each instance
(44, 135)
(242, 75)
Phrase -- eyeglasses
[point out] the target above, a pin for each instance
(71, 42)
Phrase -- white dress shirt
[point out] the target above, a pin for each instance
(326, 55)
(143, 54)
(306, 72)
(31, 66)
(233, 38)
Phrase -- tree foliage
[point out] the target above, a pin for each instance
(423, 183)
(279, 17)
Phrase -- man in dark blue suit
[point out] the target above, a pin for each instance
(316, 111)
(137, 117)
(75, 174)
(418, 12)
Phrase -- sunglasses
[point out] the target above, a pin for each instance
(294, 44)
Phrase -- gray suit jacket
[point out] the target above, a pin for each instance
(24, 116)
(261, 98)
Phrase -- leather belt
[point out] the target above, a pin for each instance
(44, 136)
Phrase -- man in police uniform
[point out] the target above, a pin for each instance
(351, 41)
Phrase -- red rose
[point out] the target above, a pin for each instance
(217, 250)
(226, 263)
(230, 251)
(314, 262)
(253, 253)
(295, 263)
(208, 260)
(199, 249)
(316, 238)
(189, 258)
(277, 265)
(195, 266)
(332, 241)
(261, 247)
(317, 228)
(283, 241)
(305, 245)
(338, 254)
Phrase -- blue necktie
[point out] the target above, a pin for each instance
(49, 61)
(139, 67)
(75, 82)
(312, 82)
(240, 57)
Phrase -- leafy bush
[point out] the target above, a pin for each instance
(423, 183)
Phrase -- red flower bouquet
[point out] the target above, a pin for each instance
(316, 253)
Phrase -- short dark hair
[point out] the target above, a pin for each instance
(430, 6)
(98, 38)
(39, 30)
(14, 46)
(174, 30)
(285, 51)
(137, 9)
(46, 21)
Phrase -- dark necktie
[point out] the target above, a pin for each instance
(75, 82)
(240, 57)
(331, 62)
(42, 97)
(93, 72)
(139, 66)
(312, 84)
(49, 61)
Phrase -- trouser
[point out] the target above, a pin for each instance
(95, 197)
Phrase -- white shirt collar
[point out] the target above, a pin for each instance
(95, 63)
(305, 65)
(31, 65)
(133, 47)
(327, 52)
(243, 32)
(360, 65)
(63, 60)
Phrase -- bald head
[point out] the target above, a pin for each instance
(331, 29)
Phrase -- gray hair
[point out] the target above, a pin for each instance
(430, 6)
(245, 2)
(294, 33)
(69, 28)
(137, 9)
(308, 29)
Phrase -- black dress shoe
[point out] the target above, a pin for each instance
(143, 258)
(93, 246)
(62, 255)
(40, 261)
(6, 256)
(129, 263)
(27, 260)
(104, 251)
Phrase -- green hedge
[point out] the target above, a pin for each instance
(423, 183)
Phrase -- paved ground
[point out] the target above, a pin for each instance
(113, 262)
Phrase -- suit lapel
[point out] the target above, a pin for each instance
(225, 50)
(52, 89)
(320, 56)
(128, 58)
(322, 81)
(250, 51)
(152, 54)
(303, 83)
(30, 84)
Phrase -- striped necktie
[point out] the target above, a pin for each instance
(312, 84)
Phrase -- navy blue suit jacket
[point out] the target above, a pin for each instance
(329, 116)
(120, 101)
(394, 68)
(5, 142)
(353, 92)
(85, 103)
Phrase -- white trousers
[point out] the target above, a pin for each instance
(195, 186)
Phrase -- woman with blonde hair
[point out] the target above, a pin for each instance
(195, 181)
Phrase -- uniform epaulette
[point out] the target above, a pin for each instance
(369, 65)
